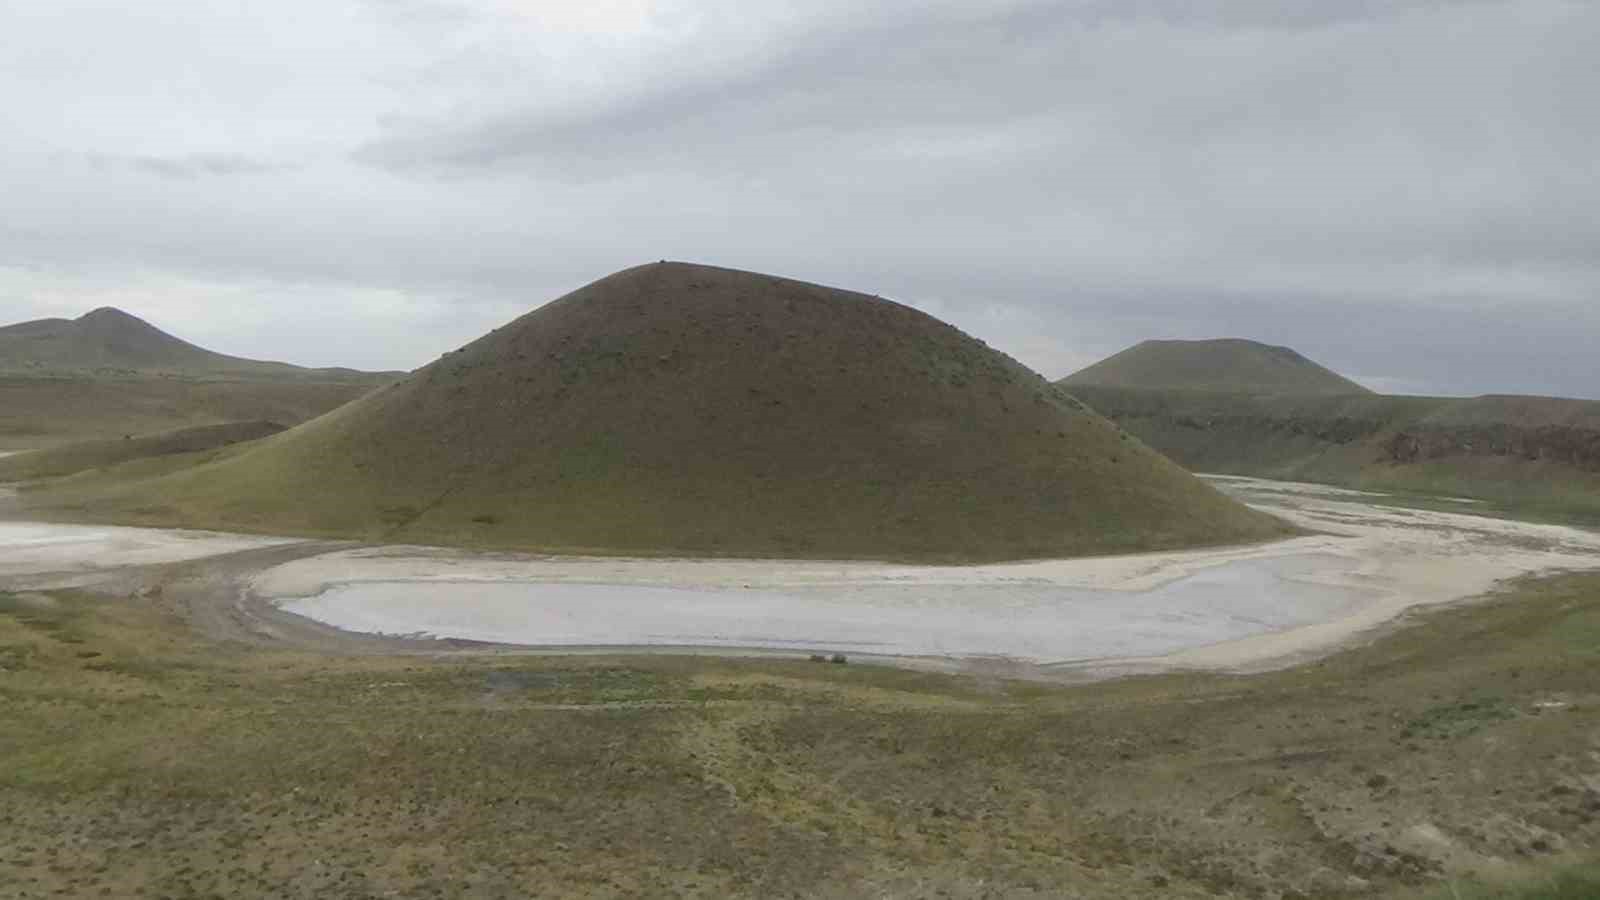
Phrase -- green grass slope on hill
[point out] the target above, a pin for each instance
(1518, 411)
(1537, 455)
(38, 411)
(1229, 364)
(675, 408)
(108, 374)
(1271, 435)
(110, 341)
(66, 460)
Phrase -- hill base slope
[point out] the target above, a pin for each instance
(72, 458)
(689, 410)
(1539, 455)
(40, 412)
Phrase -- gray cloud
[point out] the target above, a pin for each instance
(1403, 190)
(193, 165)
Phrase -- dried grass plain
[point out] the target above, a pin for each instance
(144, 759)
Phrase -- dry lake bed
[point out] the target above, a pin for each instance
(1235, 608)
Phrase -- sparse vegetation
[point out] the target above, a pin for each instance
(1531, 457)
(139, 758)
(110, 343)
(44, 412)
(73, 458)
(1225, 365)
(683, 409)
(1581, 882)
(108, 374)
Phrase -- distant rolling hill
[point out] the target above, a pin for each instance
(108, 374)
(1237, 407)
(686, 409)
(109, 340)
(1538, 455)
(1229, 364)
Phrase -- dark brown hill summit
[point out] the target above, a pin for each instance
(684, 409)
(110, 340)
(1228, 364)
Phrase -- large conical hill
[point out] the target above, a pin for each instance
(1227, 364)
(684, 409)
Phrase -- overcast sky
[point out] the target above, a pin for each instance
(1408, 192)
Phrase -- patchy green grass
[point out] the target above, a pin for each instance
(1455, 720)
(79, 457)
(40, 412)
(1580, 882)
(138, 758)
(692, 411)
(1521, 457)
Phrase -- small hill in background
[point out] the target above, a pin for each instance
(1529, 455)
(686, 409)
(111, 341)
(1238, 407)
(1228, 364)
(109, 374)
